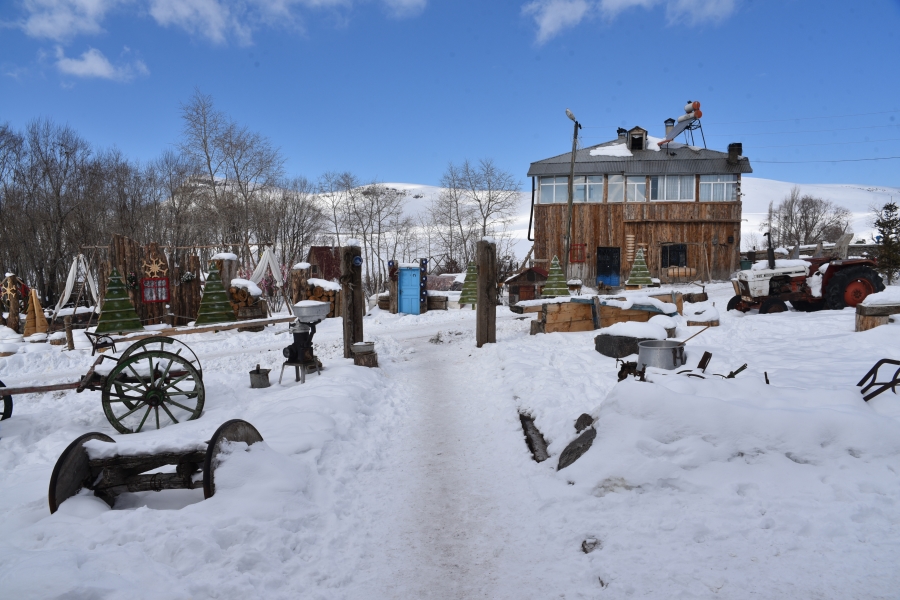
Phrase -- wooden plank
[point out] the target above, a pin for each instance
(171, 331)
(486, 306)
(569, 326)
(883, 310)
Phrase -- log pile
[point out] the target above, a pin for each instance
(333, 297)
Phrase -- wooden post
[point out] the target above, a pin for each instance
(353, 302)
(393, 290)
(70, 341)
(13, 320)
(486, 304)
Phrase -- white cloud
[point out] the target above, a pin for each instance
(63, 19)
(406, 8)
(552, 16)
(215, 20)
(93, 63)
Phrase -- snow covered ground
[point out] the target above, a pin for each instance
(414, 481)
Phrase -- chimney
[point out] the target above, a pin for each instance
(670, 123)
(621, 131)
(734, 153)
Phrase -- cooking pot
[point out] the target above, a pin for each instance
(662, 354)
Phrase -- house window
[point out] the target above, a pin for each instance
(718, 188)
(615, 188)
(672, 187)
(154, 289)
(576, 253)
(588, 189)
(314, 269)
(554, 190)
(636, 188)
(674, 255)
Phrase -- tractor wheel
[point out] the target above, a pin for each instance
(850, 286)
(772, 306)
(806, 306)
(734, 303)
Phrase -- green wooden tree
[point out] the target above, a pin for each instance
(556, 281)
(469, 293)
(887, 223)
(215, 306)
(640, 274)
(117, 315)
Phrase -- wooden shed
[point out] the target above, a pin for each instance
(526, 285)
(325, 262)
(681, 203)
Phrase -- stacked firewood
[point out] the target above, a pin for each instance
(333, 297)
(241, 298)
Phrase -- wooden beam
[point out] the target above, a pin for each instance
(486, 303)
(353, 302)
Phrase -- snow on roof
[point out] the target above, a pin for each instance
(352, 242)
(301, 265)
(224, 256)
(612, 150)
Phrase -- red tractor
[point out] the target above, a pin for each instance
(809, 284)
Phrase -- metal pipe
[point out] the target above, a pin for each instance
(531, 214)
(565, 265)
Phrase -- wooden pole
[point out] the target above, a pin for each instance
(353, 305)
(568, 236)
(12, 321)
(70, 341)
(486, 303)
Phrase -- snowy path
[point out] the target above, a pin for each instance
(460, 519)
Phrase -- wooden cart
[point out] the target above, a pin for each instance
(157, 381)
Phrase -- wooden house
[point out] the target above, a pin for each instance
(682, 204)
(526, 285)
(325, 262)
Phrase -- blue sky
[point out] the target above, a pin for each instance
(394, 89)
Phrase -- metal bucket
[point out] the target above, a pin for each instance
(259, 378)
(662, 354)
(311, 311)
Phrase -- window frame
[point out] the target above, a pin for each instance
(153, 286)
(637, 181)
(617, 185)
(661, 185)
(711, 185)
(577, 253)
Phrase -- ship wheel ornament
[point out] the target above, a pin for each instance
(155, 268)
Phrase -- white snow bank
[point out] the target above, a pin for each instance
(7, 334)
(814, 282)
(638, 299)
(9, 347)
(224, 256)
(634, 329)
(664, 321)
(554, 300)
(781, 263)
(301, 265)
(890, 295)
(612, 150)
(325, 284)
(574, 282)
(135, 445)
(68, 312)
(247, 285)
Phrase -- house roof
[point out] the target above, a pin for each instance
(672, 159)
(543, 273)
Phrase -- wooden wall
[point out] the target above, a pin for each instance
(704, 226)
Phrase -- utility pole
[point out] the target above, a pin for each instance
(568, 237)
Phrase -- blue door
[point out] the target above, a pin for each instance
(608, 265)
(408, 289)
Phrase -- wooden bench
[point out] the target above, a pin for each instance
(869, 317)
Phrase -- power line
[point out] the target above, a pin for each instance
(827, 144)
(885, 112)
(786, 162)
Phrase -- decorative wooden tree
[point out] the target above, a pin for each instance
(640, 274)
(556, 281)
(35, 322)
(469, 293)
(215, 306)
(117, 315)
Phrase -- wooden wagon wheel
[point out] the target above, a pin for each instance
(162, 383)
(72, 470)
(7, 405)
(166, 344)
(235, 430)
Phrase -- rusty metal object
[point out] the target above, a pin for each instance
(870, 380)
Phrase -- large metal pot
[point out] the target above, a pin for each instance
(662, 354)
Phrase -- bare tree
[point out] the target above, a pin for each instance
(806, 220)
(494, 193)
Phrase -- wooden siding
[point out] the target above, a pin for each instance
(704, 226)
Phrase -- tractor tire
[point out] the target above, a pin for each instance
(849, 287)
(734, 304)
(772, 305)
(806, 306)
